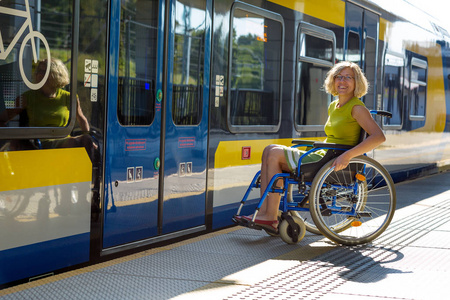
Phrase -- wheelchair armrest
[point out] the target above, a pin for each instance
(303, 142)
(332, 146)
(382, 113)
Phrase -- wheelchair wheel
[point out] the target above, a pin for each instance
(287, 231)
(304, 215)
(355, 205)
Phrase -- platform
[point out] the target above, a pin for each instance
(411, 260)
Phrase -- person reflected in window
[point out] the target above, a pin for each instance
(49, 106)
(346, 116)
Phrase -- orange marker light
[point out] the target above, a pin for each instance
(356, 223)
(360, 177)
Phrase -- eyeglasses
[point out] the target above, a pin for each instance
(340, 78)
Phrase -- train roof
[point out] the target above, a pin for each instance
(409, 12)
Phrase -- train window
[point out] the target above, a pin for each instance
(255, 74)
(418, 89)
(35, 68)
(316, 47)
(370, 54)
(316, 55)
(392, 90)
(137, 62)
(353, 48)
(188, 62)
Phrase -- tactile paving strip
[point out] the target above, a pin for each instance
(413, 227)
(184, 265)
(106, 286)
(324, 275)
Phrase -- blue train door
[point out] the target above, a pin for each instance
(133, 122)
(155, 157)
(361, 44)
(186, 131)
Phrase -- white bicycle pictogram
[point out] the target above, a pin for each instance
(29, 37)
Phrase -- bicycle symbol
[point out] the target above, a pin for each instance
(29, 37)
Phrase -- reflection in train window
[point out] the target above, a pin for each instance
(24, 46)
(370, 70)
(256, 68)
(137, 62)
(392, 92)
(188, 62)
(353, 48)
(316, 54)
(418, 89)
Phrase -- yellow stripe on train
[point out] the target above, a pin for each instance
(230, 153)
(38, 168)
(334, 12)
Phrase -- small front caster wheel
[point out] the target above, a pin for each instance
(292, 233)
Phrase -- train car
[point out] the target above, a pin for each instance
(167, 106)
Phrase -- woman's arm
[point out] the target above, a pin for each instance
(374, 139)
(82, 121)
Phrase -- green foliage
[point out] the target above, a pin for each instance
(248, 62)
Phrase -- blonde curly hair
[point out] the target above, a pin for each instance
(361, 84)
(58, 76)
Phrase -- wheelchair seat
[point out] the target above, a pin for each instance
(307, 171)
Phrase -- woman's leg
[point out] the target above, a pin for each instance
(273, 162)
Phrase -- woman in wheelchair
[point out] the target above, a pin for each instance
(346, 116)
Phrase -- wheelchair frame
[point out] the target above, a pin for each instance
(337, 201)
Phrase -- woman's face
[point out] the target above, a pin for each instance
(40, 71)
(344, 82)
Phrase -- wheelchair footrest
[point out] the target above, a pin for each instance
(245, 223)
(253, 225)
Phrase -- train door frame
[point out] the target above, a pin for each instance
(365, 23)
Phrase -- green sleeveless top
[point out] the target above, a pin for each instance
(341, 127)
(48, 112)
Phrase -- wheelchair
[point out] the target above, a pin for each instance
(352, 206)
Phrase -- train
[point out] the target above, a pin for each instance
(181, 97)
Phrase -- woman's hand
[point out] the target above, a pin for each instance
(341, 162)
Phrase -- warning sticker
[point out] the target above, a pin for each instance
(139, 173)
(130, 174)
(94, 80)
(186, 142)
(94, 65)
(94, 95)
(135, 145)
(87, 65)
(87, 80)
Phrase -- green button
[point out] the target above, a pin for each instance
(157, 163)
(159, 95)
